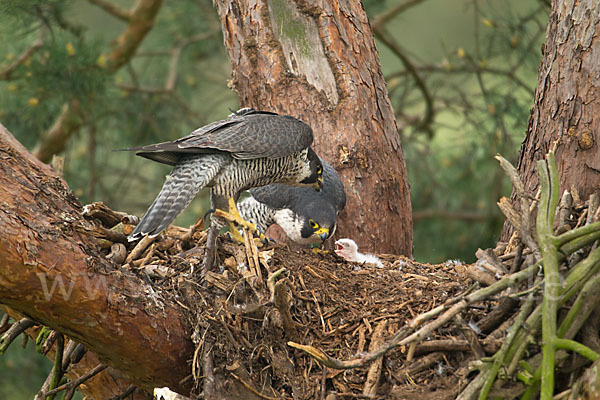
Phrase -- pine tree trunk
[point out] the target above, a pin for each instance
(316, 60)
(52, 272)
(567, 101)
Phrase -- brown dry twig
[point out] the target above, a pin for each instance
(13, 332)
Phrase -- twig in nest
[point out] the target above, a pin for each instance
(517, 260)
(139, 248)
(319, 310)
(252, 257)
(15, 330)
(72, 385)
(418, 365)
(489, 345)
(594, 205)
(323, 382)
(523, 219)
(357, 395)
(280, 300)
(146, 258)
(125, 394)
(374, 373)
(471, 337)
(187, 238)
(207, 370)
(498, 314)
(250, 388)
(475, 273)
(271, 282)
(195, 362)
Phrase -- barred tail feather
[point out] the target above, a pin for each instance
(187, 178)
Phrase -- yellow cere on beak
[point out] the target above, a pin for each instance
(319, 184)
(323, 233)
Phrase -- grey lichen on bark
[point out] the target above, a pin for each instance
(302, 47)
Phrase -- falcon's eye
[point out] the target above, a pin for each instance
(313, 224)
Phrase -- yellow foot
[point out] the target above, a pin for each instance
(237, 237)
(317, 250)
(234, 218)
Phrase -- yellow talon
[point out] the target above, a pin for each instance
(234, 217)
(235, 234)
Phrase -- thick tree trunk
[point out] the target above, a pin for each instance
(52, 272)
(567, 101)
(316, 60)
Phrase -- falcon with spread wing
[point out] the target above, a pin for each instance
(250, 148)
(306, 216)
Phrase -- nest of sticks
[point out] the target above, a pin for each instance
(272, 323)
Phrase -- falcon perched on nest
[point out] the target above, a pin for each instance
(250, 148)
(306, 216)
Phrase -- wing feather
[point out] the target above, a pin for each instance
(247, 134)
(280, 196)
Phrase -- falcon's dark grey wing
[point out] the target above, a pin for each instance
(276, 195)
(254, 135)
(333, 186)
(247, 134)
(280, 196)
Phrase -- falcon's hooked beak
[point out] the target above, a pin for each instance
(323, 233)
(318, 185)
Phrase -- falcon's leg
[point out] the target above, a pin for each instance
(211, 247)
(233, 216)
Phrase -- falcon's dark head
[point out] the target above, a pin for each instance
(316, 170)
(314, 232)
(308, 222)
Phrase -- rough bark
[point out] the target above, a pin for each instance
(52, 272)
(567, 105)
(316, 60)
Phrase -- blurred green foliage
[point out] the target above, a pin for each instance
(22, 371)
(477, 61)
(480, 78)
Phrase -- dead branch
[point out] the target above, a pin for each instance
(13, 332)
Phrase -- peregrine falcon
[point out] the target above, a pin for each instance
(306, 216)
(250, 148)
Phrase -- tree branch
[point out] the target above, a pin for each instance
(51, 269)
(70, 119)
(141, 21)
(6, 73)
(113, 9)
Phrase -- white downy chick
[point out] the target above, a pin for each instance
(347, 249)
